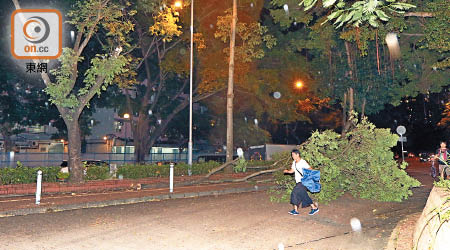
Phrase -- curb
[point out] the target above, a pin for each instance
(99, 204)
(400, 234)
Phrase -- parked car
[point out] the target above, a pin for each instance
(425, 156)
(87, 163)
(212, 157)
(266, 151)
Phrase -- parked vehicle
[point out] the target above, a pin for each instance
(65, 166)
(87, 163)
(212, 157)
(266, 151)
(424, 156)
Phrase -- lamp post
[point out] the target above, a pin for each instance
(126, 116)
(178, 4)
(190, 90)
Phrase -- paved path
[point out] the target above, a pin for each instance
(24, 205)
(229, 221)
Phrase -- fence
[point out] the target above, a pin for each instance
(55, 159)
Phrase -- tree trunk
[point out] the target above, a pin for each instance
(363, 108)
(230, 93)
(346, 122)
(8, 145)
(344, 112)
(75, 167)
(140, 136)
(349, 59)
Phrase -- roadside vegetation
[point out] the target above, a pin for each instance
(360, 162)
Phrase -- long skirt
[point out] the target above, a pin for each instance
(300, 195)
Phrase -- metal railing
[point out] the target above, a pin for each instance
(55, 159)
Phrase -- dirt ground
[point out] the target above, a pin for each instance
(235, 221)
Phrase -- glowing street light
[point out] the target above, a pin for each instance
(178, 4)
(126, 116)
(298, 84)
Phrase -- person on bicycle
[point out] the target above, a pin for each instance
(442, 154)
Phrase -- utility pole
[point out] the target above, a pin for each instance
(230, 93)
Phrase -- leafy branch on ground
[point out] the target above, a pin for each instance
(360, 163)
(241, 166)
(442, 183)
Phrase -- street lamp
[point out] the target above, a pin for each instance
(299, 84)
(178, 3)
(126, 116)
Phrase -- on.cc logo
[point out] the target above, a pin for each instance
(36, 29)
(36, 34)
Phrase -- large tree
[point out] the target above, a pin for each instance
(361, 74)
(71, 89)
(163, 62)
(159, 74)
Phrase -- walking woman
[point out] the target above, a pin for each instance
(299, 193)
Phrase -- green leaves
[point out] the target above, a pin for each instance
(241, 166)
(310, 3)
(361, 12)
(102, 72)
(60, 91)
(361, 163)
(382, 15)
(437, 32)
(90, 17)
(328, 3)
(251, 37)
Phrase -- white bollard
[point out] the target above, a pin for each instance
(355, 224)
(38, 187)
(171, 178)
(11, 159)
(281, 246)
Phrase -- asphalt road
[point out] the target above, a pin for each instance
(236, 221)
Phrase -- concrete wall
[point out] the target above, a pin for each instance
(432, 231)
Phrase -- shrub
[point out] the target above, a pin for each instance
(94, 172)
(49, 174)
(63, 176)
(22, 174)
(152, 170)
(241, 166)
(361, 163)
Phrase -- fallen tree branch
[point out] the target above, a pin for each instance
(259, 167)
(234, 181)
(259, 173)
(412, 34)
(263, 171)
(203, 179)
(419, 14)
(215, 170)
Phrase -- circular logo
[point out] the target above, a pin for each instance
(36, 29)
